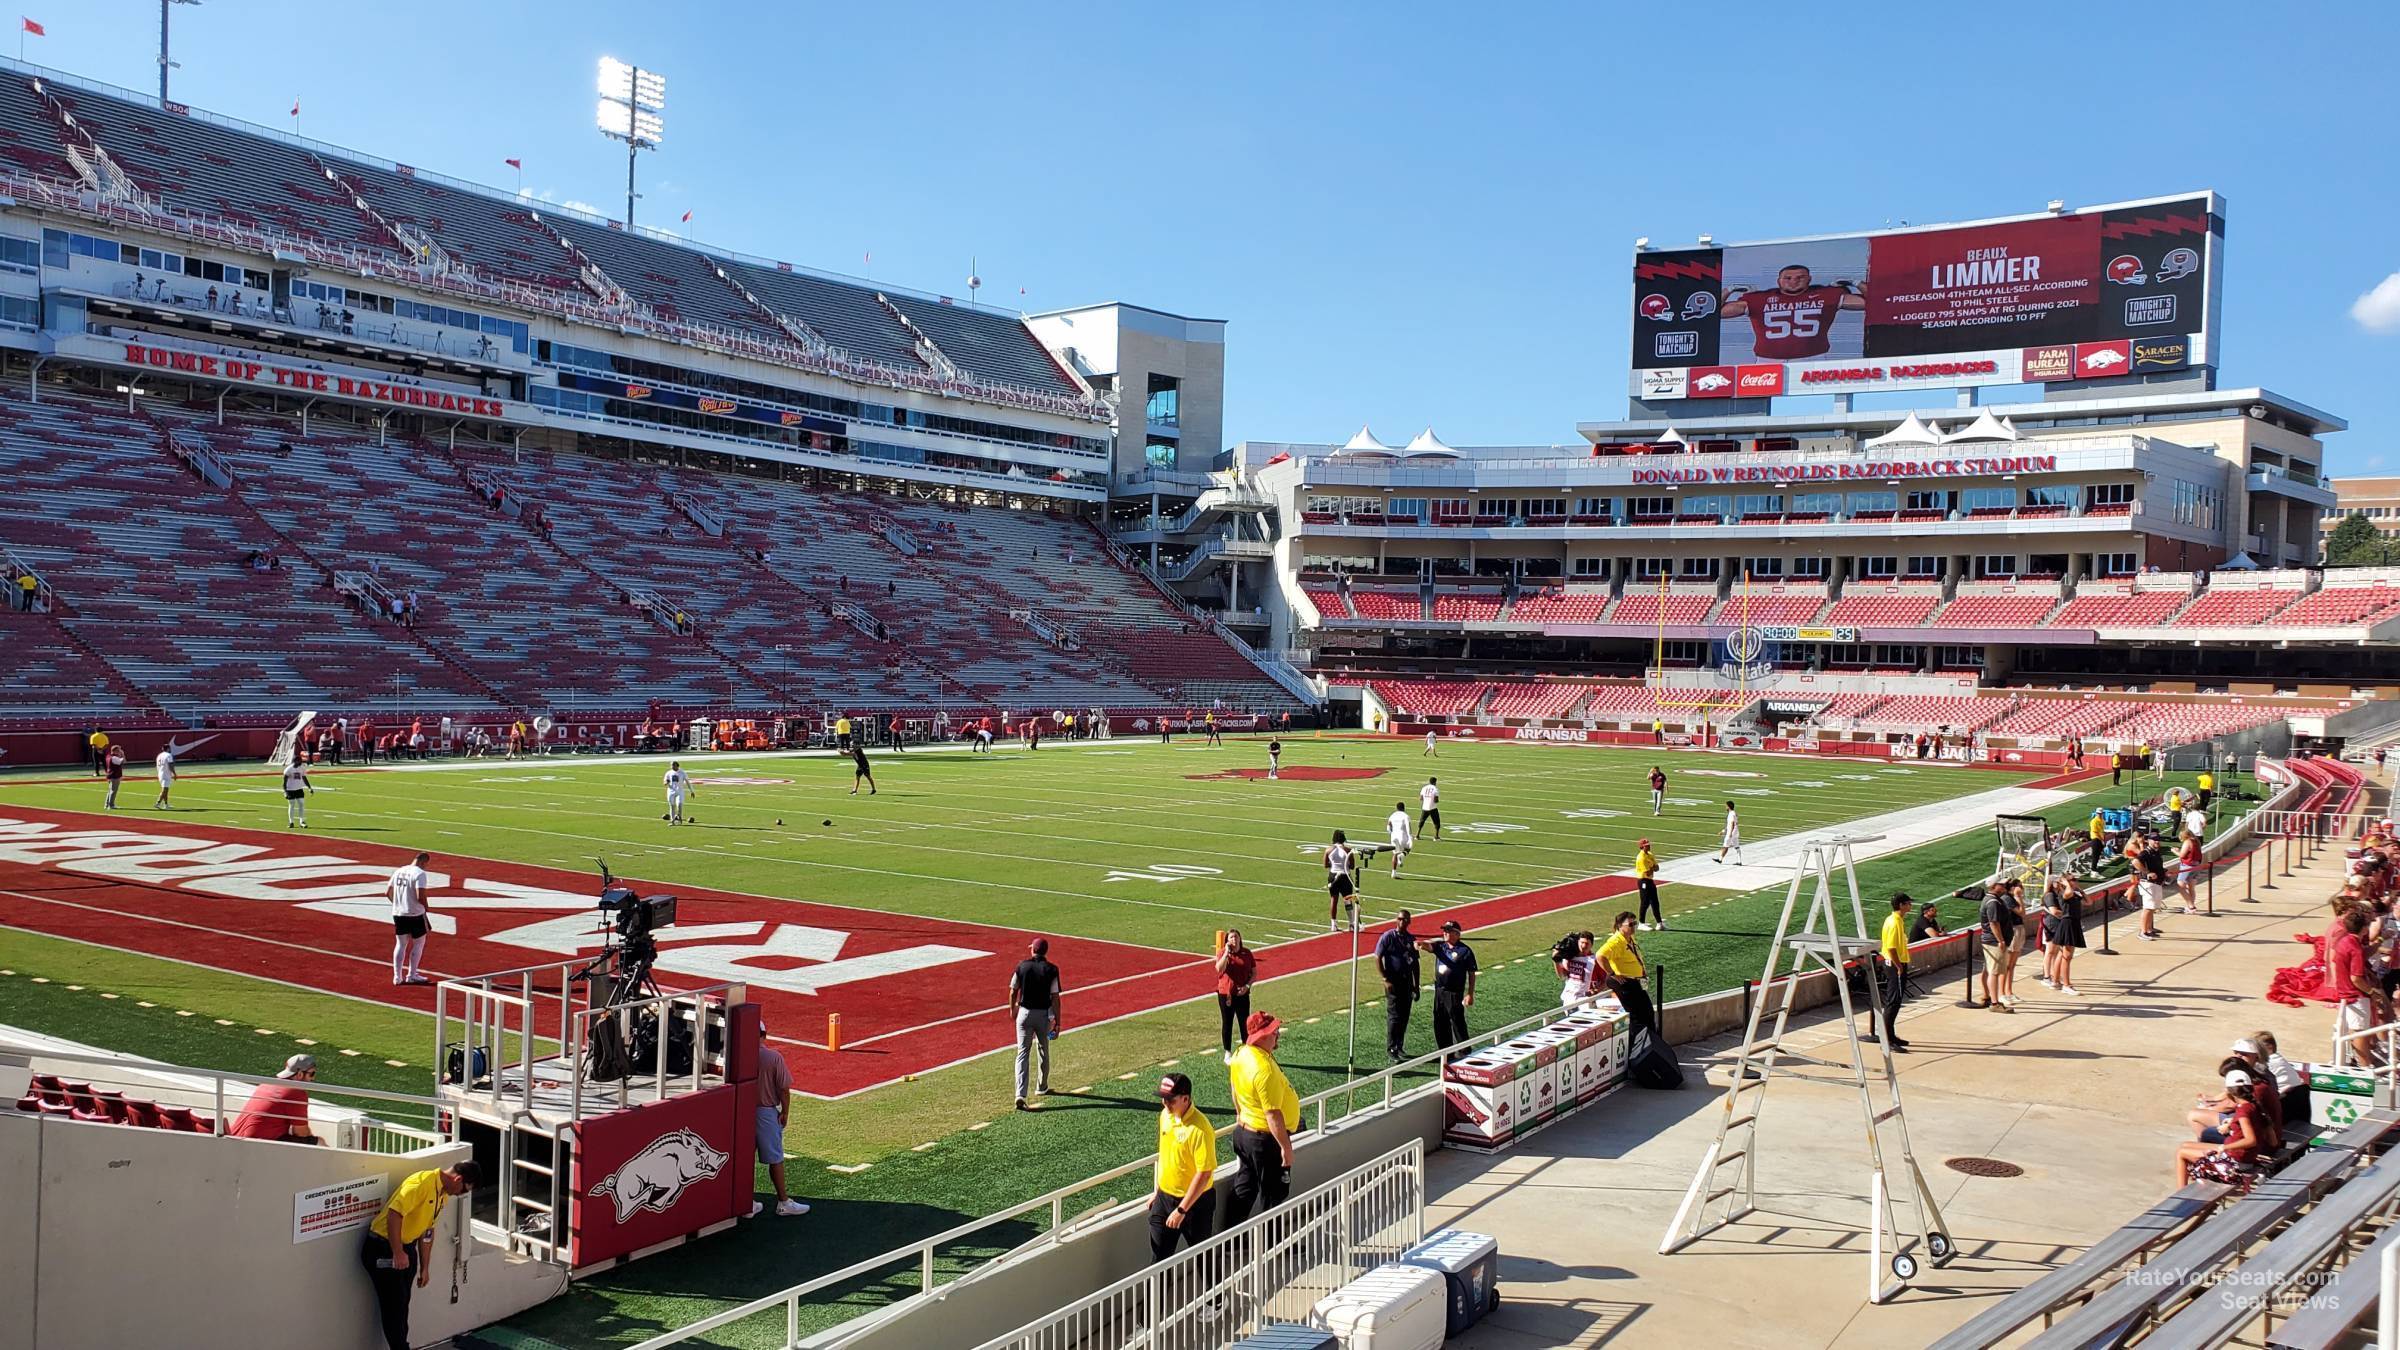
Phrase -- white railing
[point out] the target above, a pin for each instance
(1275, 1266)
(1381, 1092)
(221, 1095)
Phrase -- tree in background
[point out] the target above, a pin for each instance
(2356, 543)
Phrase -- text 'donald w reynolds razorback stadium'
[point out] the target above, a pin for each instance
(564, 786)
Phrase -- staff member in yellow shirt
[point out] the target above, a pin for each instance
(1266, 1111)
(1185, 1204)
(1892, 956)
(401, 1240)
(2208, 788)
(2099, 832)
(1645, 875)
(1621, 966)
(99, 744)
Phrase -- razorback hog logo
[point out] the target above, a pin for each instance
(655, 1178)
(1711, 382)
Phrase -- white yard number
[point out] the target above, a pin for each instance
(1485, 827)
(1593, 813)
(1163, 872)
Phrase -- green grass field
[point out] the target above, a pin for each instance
(1026, 840)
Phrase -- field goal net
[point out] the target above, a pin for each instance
(1715, 675)
(2025, 851)
(287, 745)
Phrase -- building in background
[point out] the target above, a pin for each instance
(2378, 499)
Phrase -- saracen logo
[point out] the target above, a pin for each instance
(1758, 381)
(655, 1178)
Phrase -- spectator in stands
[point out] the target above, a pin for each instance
(1999, 921)
(399, 1242)
(1578, 968)
(1266, 1111)
(1927, 925)
(2266, 1095)
(2290, 1084)
(1037, 1003)
(279, 1110)
(1237, 969)
(2361, 1003)
(773, 1117)
(2062, 933)
(2223, 1158)
(1891, 954)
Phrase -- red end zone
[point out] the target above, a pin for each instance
(914, 993)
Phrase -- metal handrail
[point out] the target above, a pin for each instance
(921, 1252)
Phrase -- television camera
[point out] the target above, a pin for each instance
(629, 951)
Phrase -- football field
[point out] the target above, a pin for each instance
(211, 934)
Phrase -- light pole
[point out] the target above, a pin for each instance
(1352, 903)
(631, 100)
(165, 64)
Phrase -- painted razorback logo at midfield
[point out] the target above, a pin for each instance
(655, 1178)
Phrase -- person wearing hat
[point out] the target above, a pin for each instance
(1645, 876)
(1183, 1205)
(1453, 986)
(279, 1110)
(1265, 1111)
(2266, 1091)
(400, 1241)
(2233, 1143)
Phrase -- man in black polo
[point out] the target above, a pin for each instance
(1036, 999)
(1396, 956)
(1453, 986)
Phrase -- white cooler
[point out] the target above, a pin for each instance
(1391, 1307)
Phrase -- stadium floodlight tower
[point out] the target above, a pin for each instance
(631, 102)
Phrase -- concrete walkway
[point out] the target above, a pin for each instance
(2086, 1095)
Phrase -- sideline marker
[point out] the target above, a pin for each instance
(833, 1032)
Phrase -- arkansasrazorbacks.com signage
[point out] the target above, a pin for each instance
(267, 373)
(1877, 469)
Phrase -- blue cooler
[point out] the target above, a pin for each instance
(1470, 1265)
(1288, 1336)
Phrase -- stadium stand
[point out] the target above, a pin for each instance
(1685, 606)
(1386, 604)
(2344, 605)
(1555, 605)
(2118, 605)
(1778, 604)
(2057, 717)
(1926, 712)
(1536, 701)
(2009, 606)
(1331, 603)
(1466, 606)
(1884, 605)
(2228, 606)
(1434, 698)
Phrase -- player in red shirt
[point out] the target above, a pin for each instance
(1795, 320)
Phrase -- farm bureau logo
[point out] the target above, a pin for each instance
(655, 1178)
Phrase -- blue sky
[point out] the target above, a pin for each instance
(1407, 217)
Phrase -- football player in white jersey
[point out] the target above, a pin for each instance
(296, 788)
(1401, 836)
(679, 786)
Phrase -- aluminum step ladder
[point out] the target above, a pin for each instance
(1725, 1189)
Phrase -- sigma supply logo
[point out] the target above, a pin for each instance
(2172, 353)
(2096, 359)
(1676, 342)
(2149, 309)
(2126, 270)
(2178, 264)
(1663, 383)
(2049, 363)
(1759, 381)
(1699, 305)
(1657, 307)
(655, 1178)
(1712, 382)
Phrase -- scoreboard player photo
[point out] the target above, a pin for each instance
(1794, 302)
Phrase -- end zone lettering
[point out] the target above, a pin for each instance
(211, 366)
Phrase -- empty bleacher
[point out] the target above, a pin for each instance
(1930, 712)
(1998, 606)
(2099, 604)
(1870, 604)
(1330, 602)
(1466, 606)
(1546, 699)
(2343, 606)
(2236, 606)
(1368, 604)
(1555, 605)
(1782, 603)
(1433, 698)
(1685, 606)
